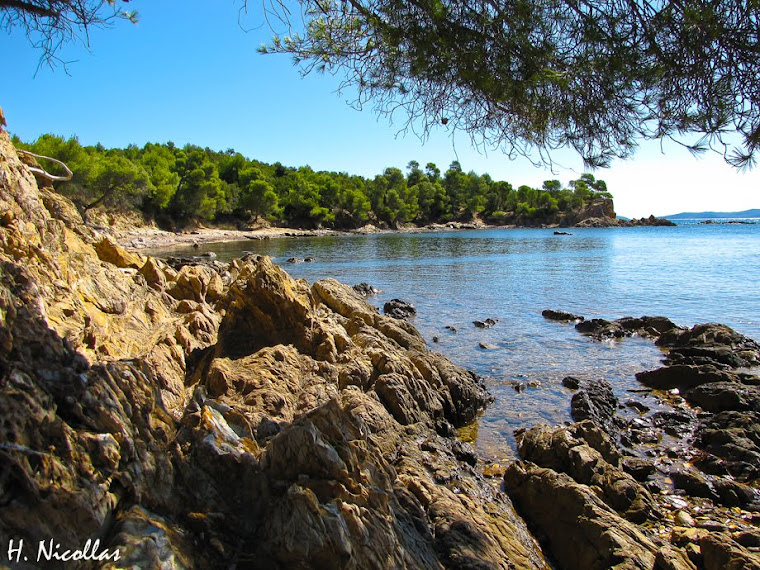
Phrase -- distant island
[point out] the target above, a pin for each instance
(710, 215)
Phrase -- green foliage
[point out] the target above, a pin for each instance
(533, 76)
(167, 182)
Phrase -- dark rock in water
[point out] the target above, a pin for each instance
(724, 396)
(309, 260)
(718, 342)
(595, 327)
(294, 260)
(450, 328)
(601, 329)
(563, 316)
(638, 406)
(487, 324)
(559, 233)
(596, 402)
(571, 382)
(399, 309)
(718, 356)
(365, 289)
(684, 376)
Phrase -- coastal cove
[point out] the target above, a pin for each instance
(691, 273)
(206, 414)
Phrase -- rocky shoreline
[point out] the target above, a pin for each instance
(148, 238)
(221, 415)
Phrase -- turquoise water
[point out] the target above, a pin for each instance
(689, 273)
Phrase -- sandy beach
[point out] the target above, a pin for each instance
(149, 237)
(153, 238)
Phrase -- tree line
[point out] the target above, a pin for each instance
(173, 185)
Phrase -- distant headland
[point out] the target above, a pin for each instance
(714, 215)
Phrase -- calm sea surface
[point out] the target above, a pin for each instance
(689, 273)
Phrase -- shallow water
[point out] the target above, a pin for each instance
(689, 273)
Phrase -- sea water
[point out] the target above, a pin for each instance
(691, 273)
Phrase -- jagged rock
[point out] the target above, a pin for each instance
(146, 540)
(196, 282)
(564, 316)
(586, 454)
(153, 274)
(720, 552)
(580, 529)
(735, 494)
(596, 402)
(227, 414)
(724, 396)
(733, 441)
(111, 252)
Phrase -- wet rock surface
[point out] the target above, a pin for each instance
(690, 464)
(206, 415)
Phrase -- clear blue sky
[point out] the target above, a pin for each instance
(188, 73)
